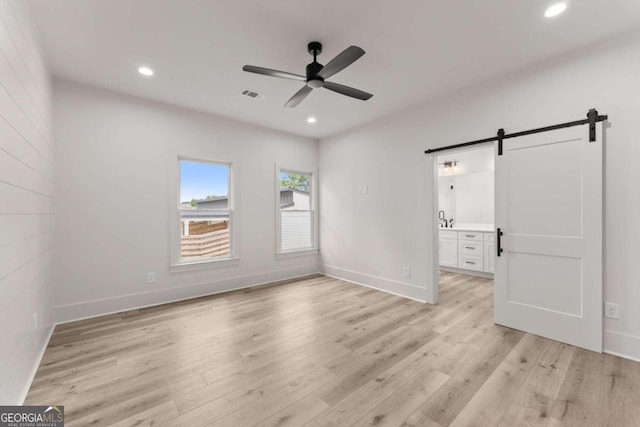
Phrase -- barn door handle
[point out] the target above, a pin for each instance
(499, 245)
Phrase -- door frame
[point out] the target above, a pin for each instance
(433, 228)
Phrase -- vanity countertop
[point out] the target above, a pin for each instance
(485, 228)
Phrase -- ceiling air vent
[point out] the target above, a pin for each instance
(253, 94)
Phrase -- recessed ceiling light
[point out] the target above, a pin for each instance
(311, 120)
(145, 71)
(555, 10)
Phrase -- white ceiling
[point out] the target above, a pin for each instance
(416, 49)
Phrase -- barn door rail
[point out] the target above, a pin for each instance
(592, 118)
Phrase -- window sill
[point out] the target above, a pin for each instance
(203, 265)
(295, 253)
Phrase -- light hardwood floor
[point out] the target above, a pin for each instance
(323, 352)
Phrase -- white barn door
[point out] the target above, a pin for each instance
(548, 277)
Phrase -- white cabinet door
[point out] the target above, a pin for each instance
(548, 280)
(489, 256)
(449, 253)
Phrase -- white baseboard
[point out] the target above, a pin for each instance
(102, 307)
(406, 290)
(621, 344)
(467, 272)
(34, 369)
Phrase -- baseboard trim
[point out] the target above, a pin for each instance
(624, 356)
(106, 306)
(36, 365)
(467, 272)
(405, 290)
(621, 344)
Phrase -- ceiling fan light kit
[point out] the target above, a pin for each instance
(316, 74)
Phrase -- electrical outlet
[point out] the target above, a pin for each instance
(365, 189)
(406, 271)
(151, 277)
(611, 310)
(35, 321)
(329, 256)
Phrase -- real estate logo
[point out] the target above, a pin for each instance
(31, 416)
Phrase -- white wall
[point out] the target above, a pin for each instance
(372, 237)
(26, 203)
(115, 154)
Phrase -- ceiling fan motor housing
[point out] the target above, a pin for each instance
(312, 78)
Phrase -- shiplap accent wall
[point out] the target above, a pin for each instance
(26, 202)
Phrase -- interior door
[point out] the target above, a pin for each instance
(548, 277)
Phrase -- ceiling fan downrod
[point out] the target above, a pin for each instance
(313, 80)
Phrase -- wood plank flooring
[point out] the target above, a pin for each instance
(323, 352)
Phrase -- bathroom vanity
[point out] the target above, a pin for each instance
(468, 249)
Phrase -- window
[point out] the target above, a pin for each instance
(205, 211)
(296, 212)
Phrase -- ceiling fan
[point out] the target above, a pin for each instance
(317, 73)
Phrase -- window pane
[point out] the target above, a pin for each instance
(204, 211)
(201, 182)
(296, 230)
(300, 182)
(295, 211)
(209, 238)
(294, 191)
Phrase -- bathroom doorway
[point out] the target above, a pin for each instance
(465, 195)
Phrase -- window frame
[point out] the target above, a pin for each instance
(313, 202)
(179, 265)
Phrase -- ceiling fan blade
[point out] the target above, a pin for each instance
(346, 90)
(342, 61)
(274, 73)
(298, 97)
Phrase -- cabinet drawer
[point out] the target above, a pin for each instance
(470, 263)
(471, 248)
(489, 237)
(448, 235)
(470, 235)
